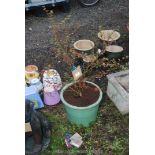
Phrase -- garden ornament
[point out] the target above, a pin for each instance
(41, 128)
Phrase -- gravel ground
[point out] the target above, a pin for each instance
(38, 32)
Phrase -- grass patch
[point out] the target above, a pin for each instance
(108, 135)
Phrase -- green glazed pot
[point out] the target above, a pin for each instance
(81, 115)
(114, 51)
(111, 55)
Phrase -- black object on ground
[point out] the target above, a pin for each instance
(39, 139)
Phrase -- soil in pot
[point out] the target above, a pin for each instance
(90, 95)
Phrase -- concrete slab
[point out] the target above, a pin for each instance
(118, 90)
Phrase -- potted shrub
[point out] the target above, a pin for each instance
(81, 100)
(73, 94)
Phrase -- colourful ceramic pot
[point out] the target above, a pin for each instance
(51, 78)
(51, 98)
(31, 72)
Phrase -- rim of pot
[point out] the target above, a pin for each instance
(28, 69)
(82, 49)
(109, 31)
(112, 50)
(75, 107)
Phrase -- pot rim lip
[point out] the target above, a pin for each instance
(108, 50)
(106, 31)
(31, 71)
(75, 107)
(84, 50)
